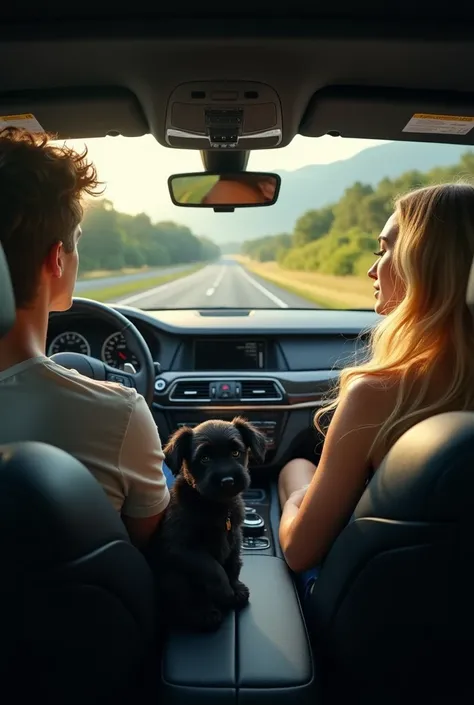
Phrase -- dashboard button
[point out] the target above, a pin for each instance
(226, 390)
(119, 379)
(160, 385)
(255, 543)
(261, 543)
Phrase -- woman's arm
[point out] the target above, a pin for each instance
(312, 519)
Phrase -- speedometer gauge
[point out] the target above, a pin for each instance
(70, 341)
(115, 352)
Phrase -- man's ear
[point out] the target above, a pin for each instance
(252, 438)
(53, 260)
(178, 449)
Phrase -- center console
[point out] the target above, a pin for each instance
(257, 534)
(222, 377)
(261, 655)
(267, 427)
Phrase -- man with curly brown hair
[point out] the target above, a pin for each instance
(109, 428)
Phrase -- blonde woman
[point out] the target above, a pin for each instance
(421, 364)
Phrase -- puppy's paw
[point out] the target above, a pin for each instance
(210, 620)
(241, 594)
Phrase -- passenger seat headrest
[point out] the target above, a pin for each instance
(7, 300)
(427, 475)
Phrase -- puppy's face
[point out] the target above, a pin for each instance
(214, 456)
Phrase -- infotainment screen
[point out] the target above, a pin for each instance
(229, 354)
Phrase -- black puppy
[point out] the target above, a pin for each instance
(195, 554)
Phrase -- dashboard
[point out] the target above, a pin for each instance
(275, 366)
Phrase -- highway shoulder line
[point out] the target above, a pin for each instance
(263, 290)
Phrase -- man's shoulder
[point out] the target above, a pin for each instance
(92, 390)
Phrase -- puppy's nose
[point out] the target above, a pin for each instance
(227, 481)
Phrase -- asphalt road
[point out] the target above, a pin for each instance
(225, 283)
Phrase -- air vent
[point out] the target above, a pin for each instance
(260, 389)
(190, 391)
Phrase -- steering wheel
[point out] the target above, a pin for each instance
(143, 380)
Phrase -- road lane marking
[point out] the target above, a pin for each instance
(263, 290)
(157, 289)
(220, 277)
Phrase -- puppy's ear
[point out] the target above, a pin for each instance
(252, 438)
(178, 449)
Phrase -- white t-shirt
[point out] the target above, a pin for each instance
(109, 428)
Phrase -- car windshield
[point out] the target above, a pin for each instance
(312, 249)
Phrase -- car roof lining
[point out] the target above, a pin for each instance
(141, 10)
(84, 87)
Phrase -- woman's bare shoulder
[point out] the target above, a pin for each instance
(370, 401)
(368, 388)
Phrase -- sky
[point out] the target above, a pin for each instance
(136, 169)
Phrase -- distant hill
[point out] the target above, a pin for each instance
(318, 185)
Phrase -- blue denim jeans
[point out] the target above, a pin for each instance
(304, 582)
(169, 477)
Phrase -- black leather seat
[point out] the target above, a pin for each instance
(77, 607)
(392, 611)
(7, 301)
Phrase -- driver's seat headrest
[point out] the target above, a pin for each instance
(7, 299)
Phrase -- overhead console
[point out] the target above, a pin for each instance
(223, 115)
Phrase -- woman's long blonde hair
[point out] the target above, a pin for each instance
(430, 334)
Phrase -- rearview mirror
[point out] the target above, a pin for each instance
(227, 191)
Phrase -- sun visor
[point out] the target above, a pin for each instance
(76, 114)
(390, 114)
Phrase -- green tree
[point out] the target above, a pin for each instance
(313, 225)
(102, 240)
(347, 212)
(209, 250)
(113, 240)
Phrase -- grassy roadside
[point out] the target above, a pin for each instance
(104, 273)
(326, 290)
(118, 291)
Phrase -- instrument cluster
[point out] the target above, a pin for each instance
(113, 349)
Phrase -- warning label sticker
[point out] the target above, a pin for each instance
(27, 121)
(439, 124)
